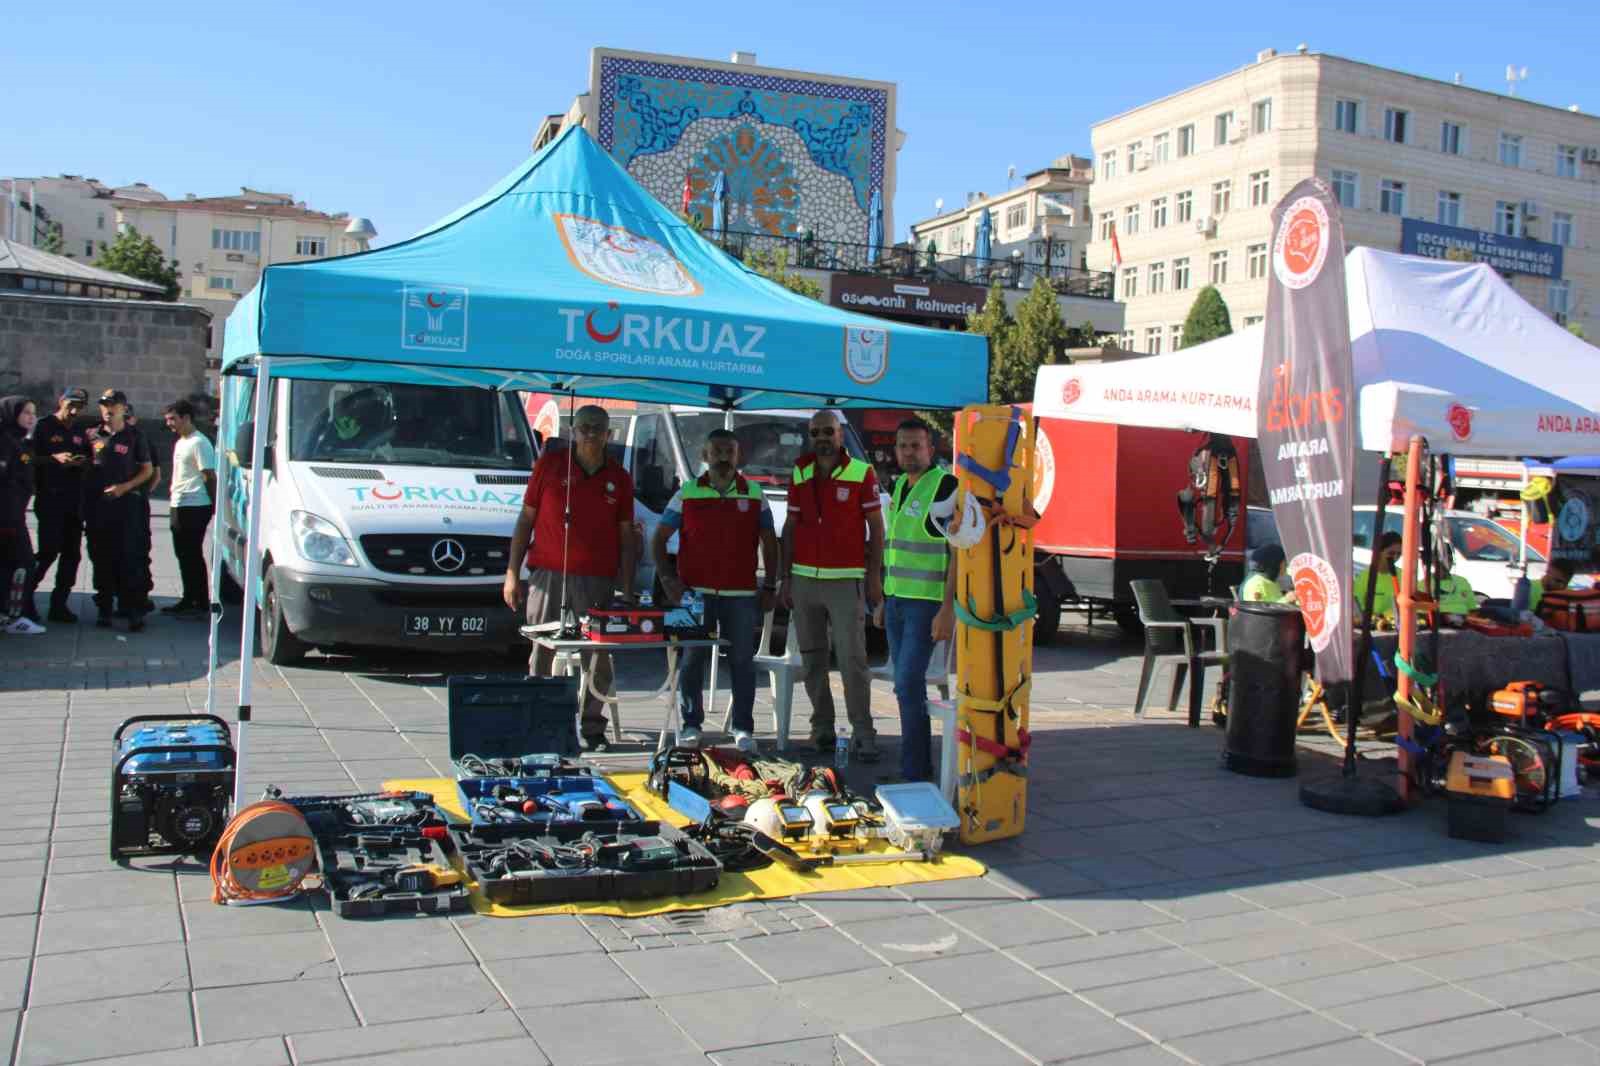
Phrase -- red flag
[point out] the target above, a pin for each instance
(688, 193)
(1116, 249)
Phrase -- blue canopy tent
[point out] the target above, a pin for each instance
(567, 277)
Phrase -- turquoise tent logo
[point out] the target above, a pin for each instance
(434, 318)
(623, 258)
(866, 354)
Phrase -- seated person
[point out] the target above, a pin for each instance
(1387, 589)
(1557, 575)
(1456, 599)
(1266, 567)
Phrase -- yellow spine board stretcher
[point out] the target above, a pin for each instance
(994, 613)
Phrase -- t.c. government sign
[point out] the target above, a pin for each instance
(1509, 255)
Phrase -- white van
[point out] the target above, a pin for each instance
(387, 514)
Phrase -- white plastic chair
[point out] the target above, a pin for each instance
(782, 670)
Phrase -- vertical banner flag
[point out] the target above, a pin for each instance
(1305, 416)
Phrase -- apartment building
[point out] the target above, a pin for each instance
(1187, 185)
(222, 243)
(32, 208)
(1045, 220)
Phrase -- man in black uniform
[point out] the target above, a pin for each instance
(147, 580)
(61, 456)
(121, 466)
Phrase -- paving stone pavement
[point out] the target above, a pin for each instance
(1158, 909)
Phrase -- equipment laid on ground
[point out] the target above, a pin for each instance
(995, 609)
(916, 816)
(366, 875)
(1572, 610)
(264, 855)
(171, 785)
(1479, 791)
(529, 726)
(600, 864)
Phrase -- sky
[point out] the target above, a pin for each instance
(403, 111)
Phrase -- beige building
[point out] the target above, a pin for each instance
(1045, 220)
(80, 206)
(223, 243)
(1188, 183)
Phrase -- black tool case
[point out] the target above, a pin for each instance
(350, 860)
(531, 721)
(694, 869)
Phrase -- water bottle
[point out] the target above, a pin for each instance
(841, 750)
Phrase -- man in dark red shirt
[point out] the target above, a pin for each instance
(590, 558)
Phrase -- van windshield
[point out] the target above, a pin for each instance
(417, 425)
(769, 441)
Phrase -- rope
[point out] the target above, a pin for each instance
(279, 862)
(967, 614)
(1422, 679)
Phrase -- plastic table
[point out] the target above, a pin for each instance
(568, 651)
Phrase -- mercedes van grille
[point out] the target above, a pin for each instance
(502, 479)
(350, 473)
(437, 554)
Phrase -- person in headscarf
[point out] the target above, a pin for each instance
(17, 474)
(1266, 567)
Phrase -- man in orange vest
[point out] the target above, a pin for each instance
(720, 519)
(832, 563)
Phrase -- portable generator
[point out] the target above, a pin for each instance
(171, 785)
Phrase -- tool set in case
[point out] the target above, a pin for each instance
(171, 785)
(576, 863)
(370, 874)
(1574, 610)
(528, 726)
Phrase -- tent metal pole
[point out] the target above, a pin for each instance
(1410, 543)
(214, 584)
(252, 566)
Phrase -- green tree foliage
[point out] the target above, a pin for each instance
(1576, 329)
(1208, 318)
(138, 256)
(51, 241)
(773, 264)
(1038, 340)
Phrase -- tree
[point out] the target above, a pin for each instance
(1038, 340)
(138, 256)
(1208, 318)
(1576, 329)
(51, 241)
(773, 264)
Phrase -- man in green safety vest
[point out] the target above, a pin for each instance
(833, 556)
(918, 609)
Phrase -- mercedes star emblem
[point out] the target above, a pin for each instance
(448, 555)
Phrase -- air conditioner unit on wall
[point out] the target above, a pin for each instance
(1591, 155)
(1205, 224)
(1143, 162)
(1530, 209)
(1240, 133)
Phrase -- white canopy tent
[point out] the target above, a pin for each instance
(1444, 350)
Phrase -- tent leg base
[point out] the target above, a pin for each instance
(1360, 796)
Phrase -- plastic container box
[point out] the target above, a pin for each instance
(694, 870)
(1479, 792)
(917, 816)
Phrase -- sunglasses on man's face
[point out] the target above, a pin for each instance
(592, 431)
(822, 433)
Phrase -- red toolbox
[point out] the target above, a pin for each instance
(1574, 610)
(625, 625)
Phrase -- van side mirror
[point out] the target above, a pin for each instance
(244, 440)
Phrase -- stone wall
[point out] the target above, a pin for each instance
(155, 352)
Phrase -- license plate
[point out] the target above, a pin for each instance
(445, 625)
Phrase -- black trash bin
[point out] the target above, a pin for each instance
(1264, 641)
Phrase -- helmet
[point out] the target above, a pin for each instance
(763, 816)
(966, 526)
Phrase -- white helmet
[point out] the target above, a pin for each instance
(763, 816)
(964, 528)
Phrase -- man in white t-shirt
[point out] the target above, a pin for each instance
(194, 486)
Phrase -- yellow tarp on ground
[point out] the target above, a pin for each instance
(771, 883)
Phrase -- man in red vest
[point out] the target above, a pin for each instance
(587, 560)
(720, 519)
(833, 555)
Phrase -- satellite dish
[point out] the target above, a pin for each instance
(938, 206)
(1011, 172)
